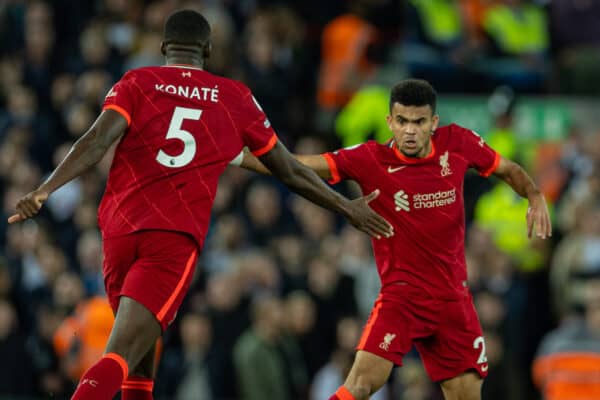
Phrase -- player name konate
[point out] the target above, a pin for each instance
(190, 92)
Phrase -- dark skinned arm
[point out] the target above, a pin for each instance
(537, 213)
(307, 183)
(316, 162)
(87, 151)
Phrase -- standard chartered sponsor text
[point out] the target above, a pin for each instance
(435, 199)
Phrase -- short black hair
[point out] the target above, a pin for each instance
(187, 27)
(414, 92)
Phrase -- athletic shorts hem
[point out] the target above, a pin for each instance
(140, 300)
(457, 372)
(394, 358)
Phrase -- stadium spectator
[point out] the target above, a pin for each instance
(185, 370)
(269, 363)
(518, 43)
(566, 365)
(576, 46)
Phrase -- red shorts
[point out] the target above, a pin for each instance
(447, 334)
(152, 267)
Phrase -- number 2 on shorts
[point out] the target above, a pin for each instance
(480, 343)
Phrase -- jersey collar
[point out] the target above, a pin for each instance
(190, 66)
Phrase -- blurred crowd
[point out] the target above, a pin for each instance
(283, 287)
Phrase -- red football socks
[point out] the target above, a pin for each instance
(342, 394)
(103, 380)
(137, 388)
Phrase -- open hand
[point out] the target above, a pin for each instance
(28, 206)
(538, 217)
(367, 220)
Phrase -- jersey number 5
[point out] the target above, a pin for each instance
(175, 132)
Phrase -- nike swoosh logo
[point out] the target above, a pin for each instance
(484, 367)
(392, 170)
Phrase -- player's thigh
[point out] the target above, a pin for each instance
(466, 386)
(119, 256)
(394, 323)
(387, 333)
(458, 345)
(369, 370)
(161, 275)
(134, 332)
(396, 320)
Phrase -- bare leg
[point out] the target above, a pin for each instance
(368, 374)
(134, 333)
(140, 383)
(466, 386)
(145, 368)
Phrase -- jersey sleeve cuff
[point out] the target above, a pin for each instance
(335, 175)
(266, 148)
(491, 169)
(120, 110)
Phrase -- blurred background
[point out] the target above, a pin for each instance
(283, 287)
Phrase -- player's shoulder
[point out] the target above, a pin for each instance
(240, 87)
(380, 150)
(137, 74)
(366, 149)
(160, 73)
(374, 145)
(452, 129)
(451, 134)
(358, 146)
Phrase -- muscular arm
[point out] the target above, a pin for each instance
(86, 152)
(313, 161)
(537, 214)
(307, 183)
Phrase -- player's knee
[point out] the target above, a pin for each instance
(362, 385)
(134, 332)
(368, 374)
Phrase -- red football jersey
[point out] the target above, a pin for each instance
(423, 199)
(184, 126)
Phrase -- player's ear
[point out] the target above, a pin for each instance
(436, 122)
(388, 119)
(163, 48)
(207, 49)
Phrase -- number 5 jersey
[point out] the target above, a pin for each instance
(184, 127)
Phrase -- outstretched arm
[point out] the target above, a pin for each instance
(306, 183)
(315, 162)
(87, 151)
(537, 213)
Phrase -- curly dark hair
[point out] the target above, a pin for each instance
(414, 92)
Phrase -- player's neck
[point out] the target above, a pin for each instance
(185, 59)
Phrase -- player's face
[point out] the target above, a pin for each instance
(412, 127)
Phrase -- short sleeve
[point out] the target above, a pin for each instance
(343, 162)
(256, 129)
(121, 97)
(478, 154)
